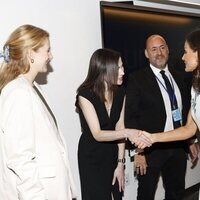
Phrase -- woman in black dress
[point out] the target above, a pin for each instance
(100, 104)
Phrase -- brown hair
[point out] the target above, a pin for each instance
(193, 39)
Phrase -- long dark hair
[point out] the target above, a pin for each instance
(103, 67)
(193, 39)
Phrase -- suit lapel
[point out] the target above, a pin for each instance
(45, 103)
(50, 117)
(153, 85)
(177, 78)
(155, 93)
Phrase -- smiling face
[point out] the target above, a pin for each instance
(120, 72)
(190, 58)
(157, 51)
(42, 57)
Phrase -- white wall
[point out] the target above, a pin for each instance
(187, 8)
(74, 27)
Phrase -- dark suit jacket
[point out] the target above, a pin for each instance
(145, 109)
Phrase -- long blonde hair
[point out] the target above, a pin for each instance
(23, 38)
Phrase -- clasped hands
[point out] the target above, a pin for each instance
(140, 139)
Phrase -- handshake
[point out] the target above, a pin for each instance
(140, 139)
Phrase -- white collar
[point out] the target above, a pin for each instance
(156, 71)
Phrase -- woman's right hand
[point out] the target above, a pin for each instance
(141, 139)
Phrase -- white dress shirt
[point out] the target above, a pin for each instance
(166, 99)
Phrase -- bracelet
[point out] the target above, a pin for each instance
(122, 160)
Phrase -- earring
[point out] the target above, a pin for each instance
(32, 60)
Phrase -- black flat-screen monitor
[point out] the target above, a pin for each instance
(125, 28)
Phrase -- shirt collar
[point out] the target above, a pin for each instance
(156, 71)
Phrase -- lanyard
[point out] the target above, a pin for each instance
(172, 97)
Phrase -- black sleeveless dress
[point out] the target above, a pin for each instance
(98, 160)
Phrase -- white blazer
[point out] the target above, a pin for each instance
(34, 161)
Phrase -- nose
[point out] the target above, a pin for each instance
(122, 71)
(183, 57)
(159, 51)
(50, 56)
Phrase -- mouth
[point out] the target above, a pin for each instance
(120, 79)
(48, 61)
(185, 64)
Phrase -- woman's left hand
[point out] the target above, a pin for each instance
(119, 175)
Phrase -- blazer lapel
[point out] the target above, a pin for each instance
(153, 85)
(155, 93)
(52, 118)
(177, 78)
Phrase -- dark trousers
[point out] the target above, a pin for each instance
(172, 171)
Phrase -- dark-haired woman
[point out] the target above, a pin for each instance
(100, 102)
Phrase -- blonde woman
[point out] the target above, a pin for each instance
(34, 162)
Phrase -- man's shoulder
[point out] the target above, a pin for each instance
(175, 71)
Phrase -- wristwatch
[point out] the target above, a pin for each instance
(122, 160)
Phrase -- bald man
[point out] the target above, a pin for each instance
(156, 101)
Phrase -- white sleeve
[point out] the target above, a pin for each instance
(19, 132)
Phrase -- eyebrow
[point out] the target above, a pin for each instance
(158, 46)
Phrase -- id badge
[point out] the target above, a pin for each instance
(176, 115)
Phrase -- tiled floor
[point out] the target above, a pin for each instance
(192, 193)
